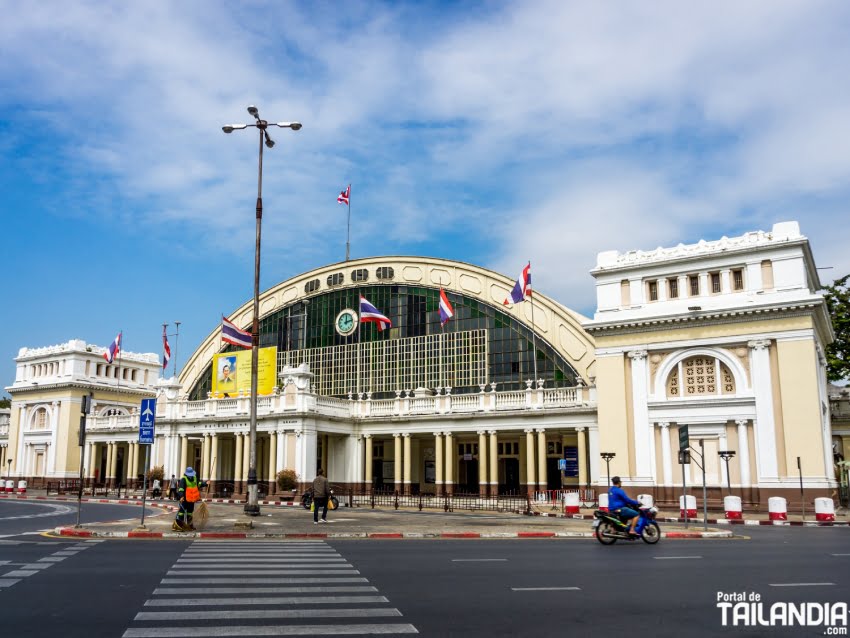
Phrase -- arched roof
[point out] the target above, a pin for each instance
(559, 326)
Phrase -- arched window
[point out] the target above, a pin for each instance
(39, 421)
(700, 376)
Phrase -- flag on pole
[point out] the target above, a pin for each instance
(113, 350)
(368, 312)
(522, 288)
(166, 350)
(344, 196)
(446, 310)
(233, 335)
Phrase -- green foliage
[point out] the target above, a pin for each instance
(287, 480)
(5, 402)
(838, 353)
(157, 472)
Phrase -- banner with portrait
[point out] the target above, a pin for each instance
(231, 372)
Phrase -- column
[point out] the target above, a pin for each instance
(406, 437)
(184, 455)
(482, 463)
(529, 461)
(594, 460)
(92, 456)
(743, 452)
(325, 443)
(114, 462)
(273, 460)
(582, 458)
(367, 470)
(764, 427)
(542, 482)
(450, 463)
(281, 451)
(666, 457)
(132, 462)
(237, 462)
(214, 468)
(109, 471)
(642, 433)
(494, 464)
(438, 463)
(246, 458)
(397, 462)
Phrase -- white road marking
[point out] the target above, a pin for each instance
(801, 584)
(675, 557)
(545, 588)
(8, 582)
(211, 591)
(840, 554)
(21, 573)
(253, 572)
(272, 613)
(260, 581)
(479, 560)
(281, 600)
(280, 630)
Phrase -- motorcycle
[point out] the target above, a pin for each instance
(307, 500)
(609, 528)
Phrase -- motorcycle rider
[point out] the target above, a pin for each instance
(619, 501)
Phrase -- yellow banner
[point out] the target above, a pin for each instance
(232, 372)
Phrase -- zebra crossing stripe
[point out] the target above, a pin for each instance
(279, 630)
(316, 576)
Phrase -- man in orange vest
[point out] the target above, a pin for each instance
(188, 493)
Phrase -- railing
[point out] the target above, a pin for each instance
(361, 406)
(517, 504)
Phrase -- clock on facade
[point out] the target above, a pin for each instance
(346, 322)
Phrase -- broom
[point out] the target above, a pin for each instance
(202, 513)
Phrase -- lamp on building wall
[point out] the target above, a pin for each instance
(608, 456)
(252, 506)
(726, 455)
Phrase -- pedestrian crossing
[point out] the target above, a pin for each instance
(264, 588)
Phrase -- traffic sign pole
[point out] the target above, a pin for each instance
(147, 421)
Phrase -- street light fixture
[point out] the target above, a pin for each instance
(726, 455)
(252, 506)
(608, 456)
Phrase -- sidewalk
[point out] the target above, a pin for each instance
(286, 521)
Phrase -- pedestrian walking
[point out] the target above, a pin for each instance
(321, 493)
(172, 488)
(189, 492)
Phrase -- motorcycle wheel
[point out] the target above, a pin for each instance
(306, 501)
(335, 502)
(605, 533)
(651, 534)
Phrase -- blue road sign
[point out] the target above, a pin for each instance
(147, 417)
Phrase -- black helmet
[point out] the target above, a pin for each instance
(615, 480)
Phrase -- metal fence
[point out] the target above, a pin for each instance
(517, 504)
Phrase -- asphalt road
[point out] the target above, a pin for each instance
(139, 589)
(28, 517)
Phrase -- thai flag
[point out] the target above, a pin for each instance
(344, 196)
(233, 335)
(522, 287)
(113, 350)
(368, 312)
(446, 310)
(166, 350)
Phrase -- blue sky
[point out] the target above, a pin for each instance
(488, 132)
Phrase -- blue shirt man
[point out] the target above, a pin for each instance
(619, 500)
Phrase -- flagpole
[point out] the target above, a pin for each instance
(120, 352)
(533, 331)
(176, 343)
(348, 235)
(359, 324)
(164, 341)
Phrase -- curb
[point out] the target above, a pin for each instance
(87, 533)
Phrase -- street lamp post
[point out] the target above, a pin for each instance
(608, 456)
(726, 455)
(252, 506)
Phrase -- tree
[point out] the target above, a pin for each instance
(5, 402)
(838, 353)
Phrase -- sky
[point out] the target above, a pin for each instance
(488, 132)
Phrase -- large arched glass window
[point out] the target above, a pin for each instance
(480, 336)
(700, 376)
(39, 420)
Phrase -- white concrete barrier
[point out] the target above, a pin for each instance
(691, 503)
(571, 503)
(603, 502)
(732, 506)
(824, 509)
(10, 486)
(22, 487)
(777, 508)
(646, 500)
